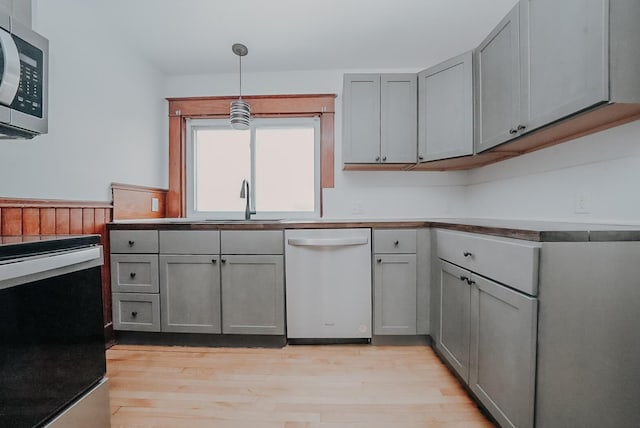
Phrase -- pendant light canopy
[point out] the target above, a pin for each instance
(240, 110)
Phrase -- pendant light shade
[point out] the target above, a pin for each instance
(240, 110)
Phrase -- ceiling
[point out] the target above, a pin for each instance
(195, 36)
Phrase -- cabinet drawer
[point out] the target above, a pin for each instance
(252, 242)
(401, 241)
(134, 241)
(509, 261)
(134, 273)
(189, 241)
(138, 312)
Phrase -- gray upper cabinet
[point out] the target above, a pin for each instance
(399, 116)
(252, 294)
(498, 83)
(380, 118)
(549, 60)
(361, 118)
(445, 109)
(190, 293)
(565, 52)
(503, 351)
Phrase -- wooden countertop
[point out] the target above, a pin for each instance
(541, 231)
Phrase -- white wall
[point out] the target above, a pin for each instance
(356, 194)
(590, 179)
(107, 118)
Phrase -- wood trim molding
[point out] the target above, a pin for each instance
(51, 203)
(132, 201)
(180, 109)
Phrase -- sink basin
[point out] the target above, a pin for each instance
(241, 220)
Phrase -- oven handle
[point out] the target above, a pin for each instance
(11, 73)
(327, 242)
(41, 265)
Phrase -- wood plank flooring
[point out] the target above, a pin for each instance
(296, 386)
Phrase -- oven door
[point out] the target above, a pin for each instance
(51, 336)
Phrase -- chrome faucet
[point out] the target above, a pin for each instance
(246, 194)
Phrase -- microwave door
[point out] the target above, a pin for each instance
(10, 78)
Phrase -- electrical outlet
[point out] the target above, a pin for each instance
(583, 202)
(357, 208)
(155, 205)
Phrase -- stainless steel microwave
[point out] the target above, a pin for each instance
(24, 63)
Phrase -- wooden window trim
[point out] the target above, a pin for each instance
(180, 109)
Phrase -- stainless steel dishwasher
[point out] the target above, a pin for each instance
(328, 283)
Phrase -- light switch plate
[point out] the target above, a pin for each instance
(155, 204)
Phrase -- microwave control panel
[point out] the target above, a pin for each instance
(28, 99)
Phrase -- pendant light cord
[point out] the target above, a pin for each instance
(240, 56)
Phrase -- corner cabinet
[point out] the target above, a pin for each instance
(252, 281)
(379, 118)
(445, 109)
(548, 60)
(487, 330)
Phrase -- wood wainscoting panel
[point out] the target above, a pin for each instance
(134, 202)
(29, 217)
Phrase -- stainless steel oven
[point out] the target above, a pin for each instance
(52, 349)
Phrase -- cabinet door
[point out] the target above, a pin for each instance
(252, 294)
(190, 293)
(361, 118)
(498, 83)
(398, 118)
(455, 301)
(445, 107)
(567, 58)
(503, 351)
(395, 294)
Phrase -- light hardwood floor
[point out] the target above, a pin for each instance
(296, 386)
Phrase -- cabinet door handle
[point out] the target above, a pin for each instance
(464, 278)
(377, 158)
(420, 157)
(521, 127)
(513, 131)
(470, 281)
(379, 260)
(467, 254)
(223, 260)
(384, 159)
(134, 314)
(214, 261)
(132, 275)
(131, 243)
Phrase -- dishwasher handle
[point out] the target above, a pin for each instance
(328, 242)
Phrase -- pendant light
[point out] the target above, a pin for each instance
(240, 110)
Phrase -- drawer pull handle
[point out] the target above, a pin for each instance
(396, 243)
(464, 278)
(513, 131)
(470, 281)
(379, 260)
(132, 275)
(131, 243)
(521, 127)
(134, 314)
(467, 254)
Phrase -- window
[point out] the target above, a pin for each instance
(279, 157)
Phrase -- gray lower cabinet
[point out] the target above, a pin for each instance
(395, 294)
(190, 293)
(487, 331)
(455, 315)
(252, 294)
(502, 360)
